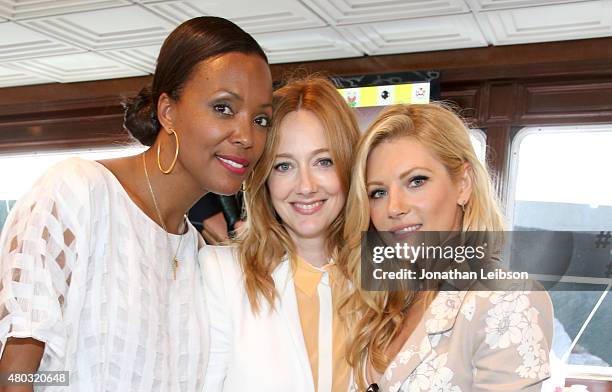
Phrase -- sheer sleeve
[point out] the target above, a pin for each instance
(39, 248)
(515, 335)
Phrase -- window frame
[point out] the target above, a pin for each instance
(589, 372)
(106, 152)
(515, 144)
(481, 136)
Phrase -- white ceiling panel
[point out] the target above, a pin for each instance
(252, 16)
(549, 23)
(490, 5)
(176, 11)
(71, 68)
(79, 40)
(342, 12)
(417, 35)
(143, 58)
(21, 9)
(18, 43)
(11, 77)
(106, 29)
(305, 45)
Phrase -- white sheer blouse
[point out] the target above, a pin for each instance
(88, 273)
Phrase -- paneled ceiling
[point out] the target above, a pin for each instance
(43, 41)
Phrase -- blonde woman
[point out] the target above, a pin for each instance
(272, 301)
(416, 171)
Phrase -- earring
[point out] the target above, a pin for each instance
(170, 131)
(462, 204)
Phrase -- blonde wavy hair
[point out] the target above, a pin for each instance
(264, 241)
(376, 317)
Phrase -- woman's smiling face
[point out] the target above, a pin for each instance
(304, 185)
(222, 118)
(409, 189)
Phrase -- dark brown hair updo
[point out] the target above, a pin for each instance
(189, 44)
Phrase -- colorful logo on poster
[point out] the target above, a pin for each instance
(386, 95)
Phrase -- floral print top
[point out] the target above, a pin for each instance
(476, 341)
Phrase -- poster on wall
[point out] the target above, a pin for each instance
(369, 94)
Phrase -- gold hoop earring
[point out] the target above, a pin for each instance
(170, 131)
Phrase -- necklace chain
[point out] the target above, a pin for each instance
(174, 260)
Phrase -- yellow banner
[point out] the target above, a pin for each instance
(386, 95)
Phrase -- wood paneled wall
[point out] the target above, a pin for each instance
(500, 90)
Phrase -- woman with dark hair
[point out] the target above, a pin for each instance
(99, 268)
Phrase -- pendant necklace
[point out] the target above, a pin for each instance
(174, 260)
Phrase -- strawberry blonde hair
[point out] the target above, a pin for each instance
(264, 241)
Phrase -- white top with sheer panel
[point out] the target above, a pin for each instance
(87, 272)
